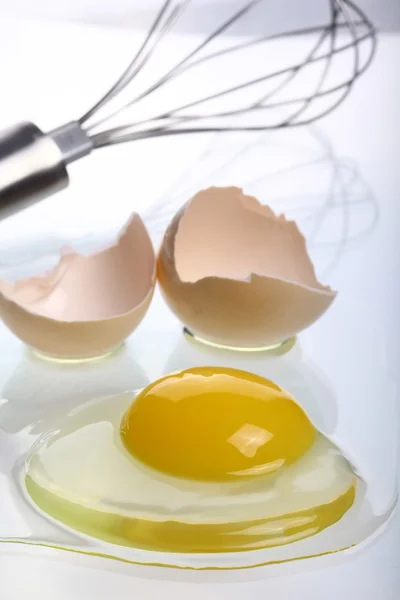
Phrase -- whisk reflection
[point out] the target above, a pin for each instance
(303, 178)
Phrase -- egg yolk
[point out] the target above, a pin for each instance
(216, 424)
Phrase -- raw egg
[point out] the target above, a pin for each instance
(209, 460)
(236, 274)
(216, 424)
(87, 305)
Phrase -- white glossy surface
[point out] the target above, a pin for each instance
(365, 272)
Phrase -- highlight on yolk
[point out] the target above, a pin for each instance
(207, 424)
(216, 424)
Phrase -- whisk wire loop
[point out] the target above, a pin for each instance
(345, 18)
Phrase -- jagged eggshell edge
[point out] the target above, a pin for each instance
(75, 339)
(250, 312)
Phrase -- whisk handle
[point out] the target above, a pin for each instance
(33, 164)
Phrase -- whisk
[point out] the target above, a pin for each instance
(33, 164)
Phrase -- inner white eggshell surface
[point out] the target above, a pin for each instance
(86, 304)
(236, 273)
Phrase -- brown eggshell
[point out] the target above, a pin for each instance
(236, 274)
(87, 305)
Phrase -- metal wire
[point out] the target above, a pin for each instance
(345, 17)
(326, 189)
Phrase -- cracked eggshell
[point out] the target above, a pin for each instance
(236, 274)
(87, 305)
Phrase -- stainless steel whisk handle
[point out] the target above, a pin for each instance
(33, 165)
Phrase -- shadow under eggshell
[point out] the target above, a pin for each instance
(234, 273)
(87, 305)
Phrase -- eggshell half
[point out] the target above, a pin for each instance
(87, 305)
(236, 274)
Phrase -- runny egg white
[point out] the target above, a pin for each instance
(209, 460)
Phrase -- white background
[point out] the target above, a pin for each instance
(131, 13)
(37, 82)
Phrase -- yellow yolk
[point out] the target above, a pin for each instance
(216, 424)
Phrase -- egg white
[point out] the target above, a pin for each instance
(85, 462)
